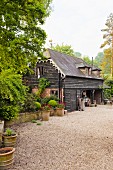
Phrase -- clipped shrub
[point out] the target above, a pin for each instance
(38, 105)
(53, 103)
(47, 99)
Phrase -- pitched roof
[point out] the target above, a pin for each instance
(68, 65)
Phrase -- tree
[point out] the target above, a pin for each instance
(87, 59)
(106, 62)
(77, 54)
(66, 49)
(21, 35)
(12, 94)
(98, 59)
(21, 43)
(108, 36)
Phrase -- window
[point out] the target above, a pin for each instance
(54, 92)
(39, 71)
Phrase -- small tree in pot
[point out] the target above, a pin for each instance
(53, 105)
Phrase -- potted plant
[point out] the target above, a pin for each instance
(38, 109)
(9, 138)
(53, 104)
(37, 105)
(60, 109)
(46, 112)
(6, 157)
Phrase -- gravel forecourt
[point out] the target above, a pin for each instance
(81, 140)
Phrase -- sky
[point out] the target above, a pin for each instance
(78, 23)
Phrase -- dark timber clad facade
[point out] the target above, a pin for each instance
(70, 77)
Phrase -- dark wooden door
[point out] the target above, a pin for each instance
(70, 99)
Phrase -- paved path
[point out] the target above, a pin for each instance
(81, 140)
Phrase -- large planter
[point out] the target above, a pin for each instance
(60, 111)
(6, 157)
(9, 141)
(45, 115)
(52, 112)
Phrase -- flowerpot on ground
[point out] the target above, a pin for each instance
(45, 112)
(52, 112)
(6, 157)
(60, 111)
(45, 115)
(9, 138)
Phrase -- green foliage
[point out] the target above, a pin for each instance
(39, 123)
(43, 83)
(98, 59)
(9, 111)
(34, 121)
(46, 107)
(47, 99)
(21, 35)
(9, 132)
(106, 63)
(38, 99)
(108, 40)
(66, 49)
(11, 86)
(38, 105)
(12, 94)
(108, 93)
(60, 105)
(29, 104)
(87, 60)
(53, 103)
(77, 54)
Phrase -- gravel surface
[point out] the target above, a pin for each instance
(81, 140)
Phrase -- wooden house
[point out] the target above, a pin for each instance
(69, 78)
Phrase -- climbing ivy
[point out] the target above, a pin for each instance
(43, 83)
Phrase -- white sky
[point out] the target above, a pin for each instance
(78, 23)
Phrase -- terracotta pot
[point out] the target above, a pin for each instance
(52, 112)
(6, 157)
(9, 141)
(60, 111)
(45, 115)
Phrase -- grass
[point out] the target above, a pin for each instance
(35, 121)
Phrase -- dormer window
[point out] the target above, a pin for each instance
(96, 71)
(84, 67)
